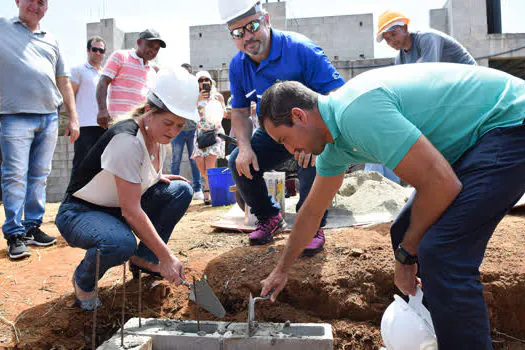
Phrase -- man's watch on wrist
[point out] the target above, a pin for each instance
(405, 257)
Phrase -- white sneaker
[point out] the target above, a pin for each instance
(198, 196)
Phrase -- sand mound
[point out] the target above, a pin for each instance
(367, 192)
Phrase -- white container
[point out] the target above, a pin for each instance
(275, 182)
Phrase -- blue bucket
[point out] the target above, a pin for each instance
(220, 180)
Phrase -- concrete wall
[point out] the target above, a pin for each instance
(439, 20)
(341, 37)
(60, 170)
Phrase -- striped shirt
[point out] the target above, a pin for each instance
(129, 84)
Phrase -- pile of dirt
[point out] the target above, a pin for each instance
(349, 285)
(368, 192)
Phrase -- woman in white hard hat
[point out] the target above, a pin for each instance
(208, 146)
(119, 191)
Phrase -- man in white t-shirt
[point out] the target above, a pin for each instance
(84, 79)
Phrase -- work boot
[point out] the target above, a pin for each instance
(35, 236)
(16, 248)
(266, 229)
(316, 245)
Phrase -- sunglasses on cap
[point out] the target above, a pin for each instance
(202, 80)
(251, 27)
(96, 49)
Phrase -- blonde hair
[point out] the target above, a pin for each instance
(136, 113)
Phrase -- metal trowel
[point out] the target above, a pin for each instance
(251, 310)
(206, 298)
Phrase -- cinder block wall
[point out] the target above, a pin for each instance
(60, 170)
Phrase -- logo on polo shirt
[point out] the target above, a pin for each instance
(336, 75)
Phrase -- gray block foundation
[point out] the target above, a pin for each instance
(184, 335)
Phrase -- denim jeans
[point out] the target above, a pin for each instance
(185, 138)
(383, 170)
(89, 135)
(92, 227)
(28, 142)
(270, 155)
(492, 173)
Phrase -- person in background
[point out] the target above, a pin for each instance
(210, 121)
(33, 84)
(127, 74)
(416, 47)
(119, 191)
(84, 80)
(187, 138)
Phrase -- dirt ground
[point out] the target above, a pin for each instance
(349, 285)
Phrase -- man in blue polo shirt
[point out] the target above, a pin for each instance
(267, 56)
(455, 133)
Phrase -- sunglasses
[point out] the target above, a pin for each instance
(202, 80)
(96, 49)
(251, 27)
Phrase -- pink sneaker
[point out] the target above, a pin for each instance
(316, 245)
(266, 229)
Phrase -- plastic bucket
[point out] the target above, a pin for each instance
(220, 180)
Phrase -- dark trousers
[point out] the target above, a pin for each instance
(270, 155)
(89, 135)
(493, 176)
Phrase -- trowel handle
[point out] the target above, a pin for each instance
(267, 296)
(184, 283)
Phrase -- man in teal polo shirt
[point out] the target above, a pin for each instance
(455, 133)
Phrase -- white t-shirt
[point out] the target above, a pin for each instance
(87, 77)
(127, 157)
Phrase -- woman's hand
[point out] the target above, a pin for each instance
(167, 178)
(172, 269)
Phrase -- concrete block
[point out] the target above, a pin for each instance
(180, 335)
(184, 335)
(131, 342)
(279, 336)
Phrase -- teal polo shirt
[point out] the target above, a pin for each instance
(377, 116)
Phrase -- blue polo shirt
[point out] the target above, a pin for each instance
(379, 115)
(292, 57)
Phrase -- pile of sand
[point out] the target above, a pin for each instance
(368, 192)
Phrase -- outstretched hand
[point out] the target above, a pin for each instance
(276, 280)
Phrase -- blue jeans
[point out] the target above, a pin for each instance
(28, 142)
(383, 170)
(92, 227)
(177, 144)
(270, 155)
(492, 173)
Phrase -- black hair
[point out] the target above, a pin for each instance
(278, 100)
(95, 39)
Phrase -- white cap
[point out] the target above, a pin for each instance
(203, 74)
(233, 10)
(178, 91)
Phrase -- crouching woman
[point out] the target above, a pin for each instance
(119, 191)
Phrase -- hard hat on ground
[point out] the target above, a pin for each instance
(387, 21)
(408, 326)
(233, 10)
(178, 91)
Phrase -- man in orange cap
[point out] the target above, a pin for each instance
(418, 47)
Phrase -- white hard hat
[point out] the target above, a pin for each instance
(408, 326)
(233, 9)
(178, 90)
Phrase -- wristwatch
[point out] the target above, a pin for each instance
(405, 257)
